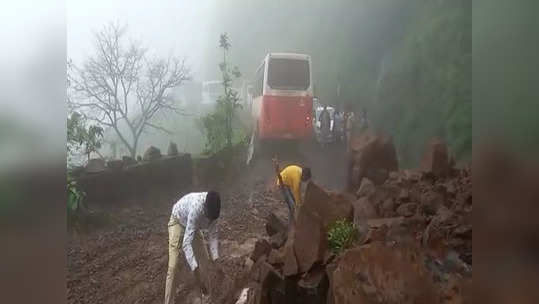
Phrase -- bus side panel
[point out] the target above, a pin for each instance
(287, 117)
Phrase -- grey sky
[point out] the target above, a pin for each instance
(178, 27)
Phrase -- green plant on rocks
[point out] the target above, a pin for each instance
(341, 235)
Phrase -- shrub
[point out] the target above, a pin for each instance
(341, 236)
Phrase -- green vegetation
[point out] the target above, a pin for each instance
(75, 197)
(220, 126)
(82, 137)
(341, 235)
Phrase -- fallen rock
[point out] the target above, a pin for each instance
(366, 188)
(376, 273)
(404, 196)
(431, 201)
(278, 240)
(172, 149)
(313, 286)
(388, 208)
(310, 239)
(379, 222)
(373, 156)
(152, 153)
(328, 206)
(274, 225)
(363, 210)
(276, 256)
(407, 209)
(262, 248)
(290, 267)
(435, 159)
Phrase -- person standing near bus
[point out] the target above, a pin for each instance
(338, 125)
(325, 123)
(364, 122)
(191, 214)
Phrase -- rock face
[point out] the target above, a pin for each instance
(415, 244)
(372, 155)
(366, 188)
(274, 225)
(407, 209)
(363, 210)
(436, 160)
(172, 149)
(327, 205)
(152, 153)
(310, 239)
(375, 273)
(262, 248)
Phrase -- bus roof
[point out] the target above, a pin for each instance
(288, 55)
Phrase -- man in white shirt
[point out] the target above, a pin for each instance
(191, 214)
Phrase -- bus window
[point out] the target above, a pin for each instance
(288, 74)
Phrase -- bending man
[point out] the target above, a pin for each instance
(292, 177)
(191, 214)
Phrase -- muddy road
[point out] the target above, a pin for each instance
(125, 261)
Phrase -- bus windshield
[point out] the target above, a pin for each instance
(288, 74)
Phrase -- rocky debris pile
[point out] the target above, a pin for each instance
(414, 244)
(372, 156)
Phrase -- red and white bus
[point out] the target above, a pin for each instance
(282, 104)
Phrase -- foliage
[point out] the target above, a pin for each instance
(122, 88)
(81, 136)
(75, 197)
(220, 126)
(341, 236)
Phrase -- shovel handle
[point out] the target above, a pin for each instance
(277, 171)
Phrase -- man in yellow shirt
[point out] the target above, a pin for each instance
(292, 177)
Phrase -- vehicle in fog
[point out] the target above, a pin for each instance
(211, 90)
(282, 104)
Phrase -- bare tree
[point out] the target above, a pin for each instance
(121, 85)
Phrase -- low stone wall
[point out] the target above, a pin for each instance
(137, 179)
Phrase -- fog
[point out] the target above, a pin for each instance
(377, 53)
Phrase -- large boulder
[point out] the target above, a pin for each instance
(376, 273)
(363, 210)
(290, 261)
(310, 239)
(373, 155)
(274, 225)
(328, 206)
(262, 248)
(172, 149)
(367, 188)
(152, 153)
(435, 159)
